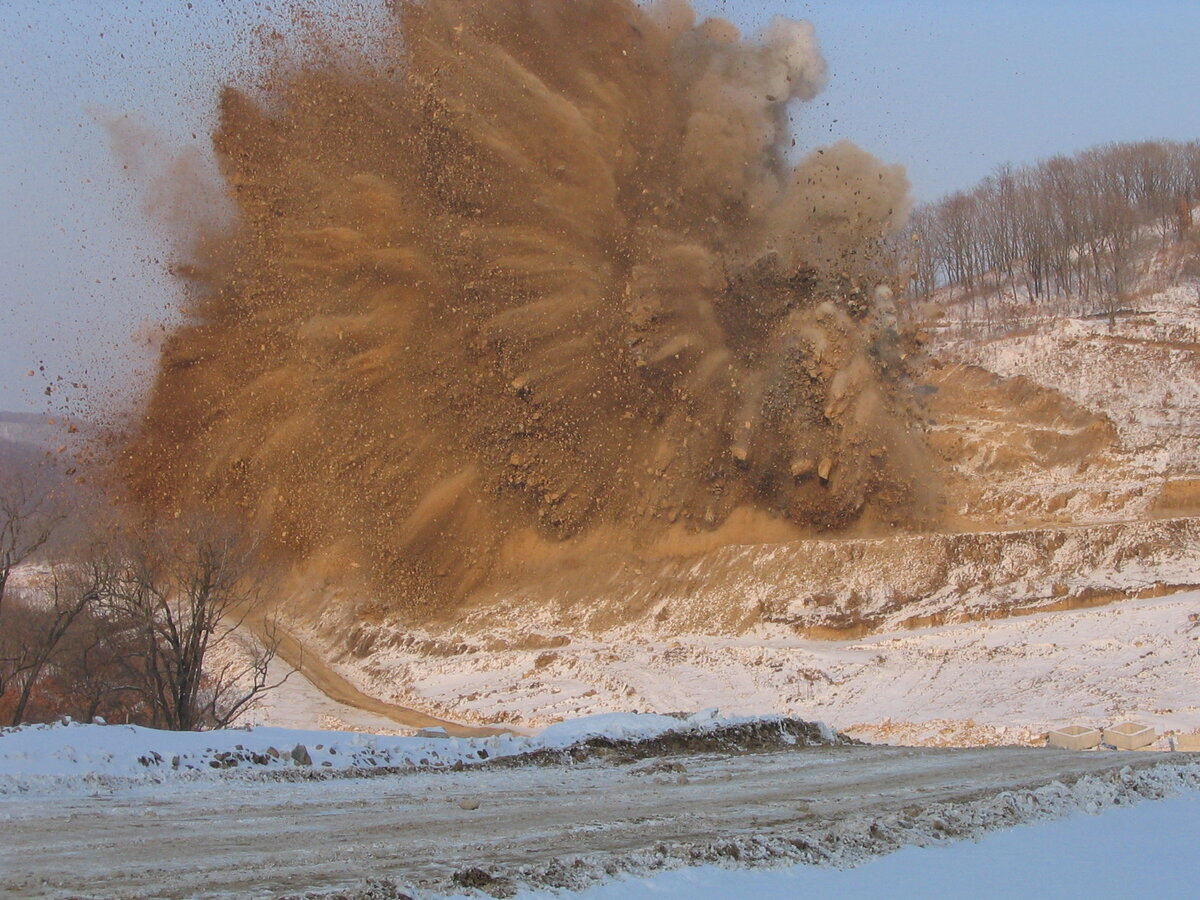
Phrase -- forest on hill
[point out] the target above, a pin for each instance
(1069, 234)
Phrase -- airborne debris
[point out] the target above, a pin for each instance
(554, 287)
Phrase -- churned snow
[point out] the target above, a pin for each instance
(1143, 850)
(64, 788)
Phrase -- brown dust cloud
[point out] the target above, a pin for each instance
(529, 278)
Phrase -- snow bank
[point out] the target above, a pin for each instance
(61, 754)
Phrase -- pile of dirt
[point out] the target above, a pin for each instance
(525, 279)
(757, 736)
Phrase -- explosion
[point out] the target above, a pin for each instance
(532, 273)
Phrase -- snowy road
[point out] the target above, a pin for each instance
(257, 838)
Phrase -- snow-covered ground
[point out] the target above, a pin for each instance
(1147, 850)
(106, 811)
(63, 755)
(118, 811)
(297, 703)
(1000, 681)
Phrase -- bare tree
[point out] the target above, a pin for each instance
(231, 687)
(1067, 228)
(186, 598)
(152, 626)
(27, 521)
(98, 670)
(71, 591)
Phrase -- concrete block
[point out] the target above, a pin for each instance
(1188, 743)
(1074, 737)
(1129, 735)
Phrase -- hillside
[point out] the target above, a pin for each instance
(543, 359)
(1069, 481)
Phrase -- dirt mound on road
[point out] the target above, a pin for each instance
(758, 736)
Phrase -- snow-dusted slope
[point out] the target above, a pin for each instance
(1140, 369)
(1005, 680)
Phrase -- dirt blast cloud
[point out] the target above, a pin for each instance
(532, 274)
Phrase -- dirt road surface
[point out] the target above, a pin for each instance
(252, 838)
(323, 677)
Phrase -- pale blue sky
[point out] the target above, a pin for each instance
(950, 89)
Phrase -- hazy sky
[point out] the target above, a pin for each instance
(950, 89)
